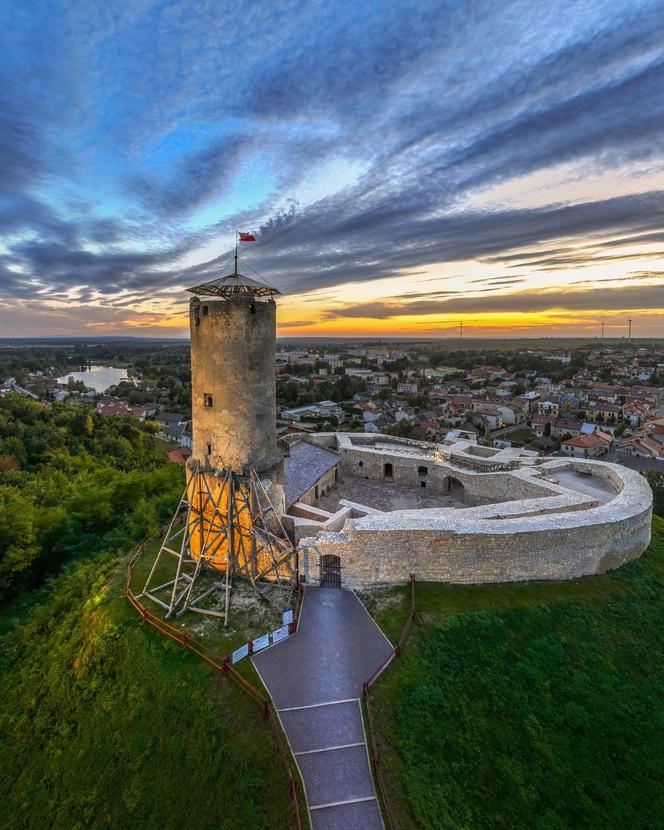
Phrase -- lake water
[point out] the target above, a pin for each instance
(98, 378)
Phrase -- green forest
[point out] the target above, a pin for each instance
(73, 483)
(104, 723)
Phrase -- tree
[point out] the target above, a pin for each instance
(18, 544)
(402, 429)
(656, 482)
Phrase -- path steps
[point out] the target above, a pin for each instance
(315, 679)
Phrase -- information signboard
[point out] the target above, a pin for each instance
(261, 643)
(280, 634)
(287, 617)
(240, 653)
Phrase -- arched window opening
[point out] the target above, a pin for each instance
(388, 472)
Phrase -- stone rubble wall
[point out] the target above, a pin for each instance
(523, 526)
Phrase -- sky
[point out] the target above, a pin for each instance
(404, 165)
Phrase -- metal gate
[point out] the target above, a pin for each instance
(330, 571)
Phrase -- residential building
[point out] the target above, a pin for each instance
(585, 446)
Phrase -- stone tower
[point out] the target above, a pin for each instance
(233, 336)
(229, 518)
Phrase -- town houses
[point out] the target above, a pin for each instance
(591, 401)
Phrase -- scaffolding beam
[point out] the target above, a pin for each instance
(229, 526)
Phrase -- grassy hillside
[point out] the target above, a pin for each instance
(534, 705)
(105, 723)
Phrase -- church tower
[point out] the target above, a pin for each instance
(229, 519)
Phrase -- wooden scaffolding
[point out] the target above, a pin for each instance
(225, 525)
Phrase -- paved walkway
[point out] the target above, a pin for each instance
(593, 486)
(315, 679)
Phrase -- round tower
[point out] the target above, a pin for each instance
(233, 337)
(229, 518)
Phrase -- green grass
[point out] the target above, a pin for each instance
(250, 613)
(106, 723)
(533, 705)
(163, 447)
(521, 436)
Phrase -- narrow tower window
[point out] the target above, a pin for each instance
(207, 399)
(252, 308)
(204, 311)
(209, 449)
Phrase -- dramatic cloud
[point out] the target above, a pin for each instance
(364, 144)
(637, 297)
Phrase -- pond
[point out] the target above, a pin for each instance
(98, 378)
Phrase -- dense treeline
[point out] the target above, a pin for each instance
(73, 483)
(338, 388)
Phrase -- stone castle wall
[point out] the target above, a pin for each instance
(523, 528)
(319, 489)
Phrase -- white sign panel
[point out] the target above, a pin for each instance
(280, 634)
(287, 617)
(261, 642)
(239, 653)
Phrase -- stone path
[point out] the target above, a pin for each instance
(315, 679)
(593, 486)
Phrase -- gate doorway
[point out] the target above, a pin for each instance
(456, 490)
(330, 571)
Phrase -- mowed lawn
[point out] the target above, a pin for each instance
(534, 705)
(105, 723)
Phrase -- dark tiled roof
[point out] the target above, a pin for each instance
(304, 467)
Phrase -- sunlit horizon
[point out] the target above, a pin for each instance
(402, 167)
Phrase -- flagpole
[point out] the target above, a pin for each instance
(236, 237)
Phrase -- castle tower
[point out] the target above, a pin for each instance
(233, 338)
(229, 519)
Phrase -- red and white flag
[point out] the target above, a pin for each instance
(246, 237)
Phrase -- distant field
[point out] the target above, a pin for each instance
(485, 343)
(528, 705)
